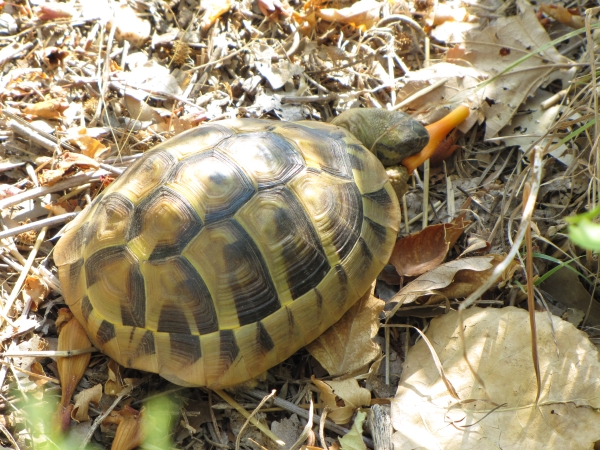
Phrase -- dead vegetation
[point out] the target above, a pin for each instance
(87, 86)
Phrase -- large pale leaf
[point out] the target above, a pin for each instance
(503, 414)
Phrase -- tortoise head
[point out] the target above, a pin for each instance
(391, 135)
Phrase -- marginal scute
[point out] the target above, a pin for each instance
(224, 250)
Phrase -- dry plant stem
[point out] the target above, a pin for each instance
(249, 416)
(420, 93)
(307, 429)
(213, 418)
(405, 214)
(9, 436)
(47, 222)
(531, 300)
(23, 275)
(589, 15)
(31, 374)
(289, 406)
(124, 393)
(74, 181)
(322, 429)
(536, 175)
(50, 353)
(426, 173)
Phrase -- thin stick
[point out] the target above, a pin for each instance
(47, 222)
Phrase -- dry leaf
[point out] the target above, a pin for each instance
(49, 177)
(37, 368)
(213, 9)
(563, 15)
(498, 343)
(63, 207)
(71, 370)
(35, 290)
(82, 402)
(6, 190)
(274, 8)
(130, 26)
(420, 252)
(90, 146)
(71, 160)
(53, 11)
(498, 46)
(342, 398)
(348, 345)
(362, 14)
(47, 109)
(459, 84)
(131, 431)
(440, 278)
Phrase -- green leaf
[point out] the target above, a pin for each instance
(585, 233)
(353, 440)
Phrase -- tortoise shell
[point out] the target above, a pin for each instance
(224, 250)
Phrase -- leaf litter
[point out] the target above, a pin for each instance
(87, 86)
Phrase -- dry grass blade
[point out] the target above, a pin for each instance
(307, 429)
(249, 419)
(249, 416)
(436, 359)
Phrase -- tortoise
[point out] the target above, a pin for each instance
(225, 249)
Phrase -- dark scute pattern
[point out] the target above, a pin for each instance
(342, 276)
(146, 345)
(274, 148)
(217, 212)
(257, 299)
(185, 348)
(197, 297)
(349, 220)
(95, 263)
(319, 299)
(86, 307)
(381, 197)
(291, 320)
(78, 242)
(106, 332)
(379, 231)
(367, 255)
(303, 255)
(228, 348)
(356, 162)
(133, 312)
(263, 338)
(172, 320)
(190, 224)
(75, 271)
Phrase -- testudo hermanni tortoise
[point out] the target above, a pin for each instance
(224, 250)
